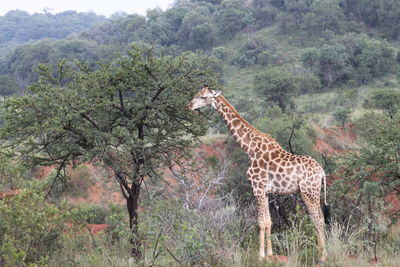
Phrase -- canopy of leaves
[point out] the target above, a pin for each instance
(129, 114)
(276, 86)
(232, 16)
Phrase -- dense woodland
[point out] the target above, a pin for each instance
(79, 88)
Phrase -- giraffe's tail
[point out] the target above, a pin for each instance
(326, 204)
(326, 209)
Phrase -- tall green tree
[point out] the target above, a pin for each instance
(276, 86)
(232, 16)
(129, 115)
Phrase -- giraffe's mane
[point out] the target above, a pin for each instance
(223, 99)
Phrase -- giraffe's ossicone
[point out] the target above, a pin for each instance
(272, 170)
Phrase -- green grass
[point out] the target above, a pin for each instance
(346, 247)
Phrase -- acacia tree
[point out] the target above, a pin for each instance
(129, 115)
(370, 174)
(276, 86)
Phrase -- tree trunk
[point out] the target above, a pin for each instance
(132, 206)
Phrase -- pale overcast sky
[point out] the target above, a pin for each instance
(101, 7)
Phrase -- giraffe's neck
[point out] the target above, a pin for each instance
(242, 131)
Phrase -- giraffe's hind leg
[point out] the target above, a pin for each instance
(312, 201)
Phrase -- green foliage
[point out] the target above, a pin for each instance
(374, 171)
(308, 83)
(195, 31)
(94, 214)
(342, 115)
(220, 52)
(327, 29)
(23, 61)
(310, 57)
(264, 14)
(130, 115)
(8, 85)
(18, 26)
(10, 255)
(250, 52)
(333, 62)
(11, 171)
(118, 31)
(367, 176)
(382, 14)
(388, 15)
(80, 180)
(324, 15)
(385, 99)
(232, 16)
(75, 111)
(276, 86)
(107, 107)
(30, 229)
(351, 57)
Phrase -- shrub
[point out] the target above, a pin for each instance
(385, 99)
(30, 229)
(308, 83)
(277, 86)
(342, 115)
(249, 53)
(11, 171)
(220, 52)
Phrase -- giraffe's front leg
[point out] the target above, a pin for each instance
(264, 222)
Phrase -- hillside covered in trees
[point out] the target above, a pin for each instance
(80, 88)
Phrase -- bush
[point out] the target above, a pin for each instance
(202, 236)
(220, 52)
(249, 53)
(11, 171)
(94, 214)
(385, 99)
(308, 83)
(342, 115)
(277, 86)
(355, 58)
(30, 229)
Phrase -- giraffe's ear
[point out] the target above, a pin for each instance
(216, 93)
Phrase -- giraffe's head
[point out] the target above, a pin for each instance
(205, 97)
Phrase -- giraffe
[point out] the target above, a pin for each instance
(272, 171)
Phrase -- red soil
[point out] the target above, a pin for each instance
(339, 135)
(95, 229)
(10, 193)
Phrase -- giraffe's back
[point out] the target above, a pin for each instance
(284, 173)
